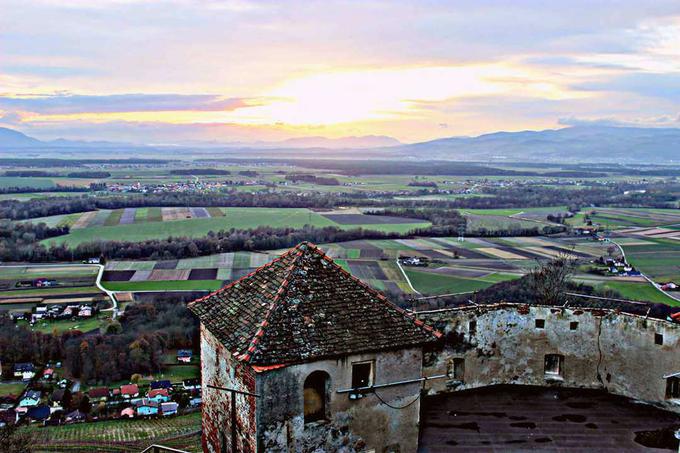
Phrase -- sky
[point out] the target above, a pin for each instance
(180, 71)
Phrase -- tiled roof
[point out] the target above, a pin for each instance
(129, 389)
(303, 307)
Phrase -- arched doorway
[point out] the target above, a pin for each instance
(316, 392)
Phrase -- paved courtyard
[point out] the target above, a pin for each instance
(520, 418)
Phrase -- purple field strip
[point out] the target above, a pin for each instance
(117, 276)
(433, 254)
(240, 273)
(128, 216)
(203, 274)
(375, 254)
(392, 288)
(199, 213)
(366, 270)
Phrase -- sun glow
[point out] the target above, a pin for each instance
(353, 96)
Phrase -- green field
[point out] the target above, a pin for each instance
(58, 271)
(16, 181)
(240, 218)
(166, 285)
(639, 291)
(84, 325)
(659, 258)
(35, 195)
(431, 283)
(51, 291)
(11, 389)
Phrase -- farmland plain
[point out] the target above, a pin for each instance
(111, 225)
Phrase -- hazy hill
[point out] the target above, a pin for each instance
(12, 138)
(571, 144)
(581, 143)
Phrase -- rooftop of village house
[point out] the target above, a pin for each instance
(303, 307)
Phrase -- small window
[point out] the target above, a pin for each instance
(456, 369)
(658, 338)
(554, 364)
(362, 374)
(472, 327)
(673, 387)
(573, 325)
(540, 323)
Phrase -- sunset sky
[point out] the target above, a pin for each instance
(187, 70)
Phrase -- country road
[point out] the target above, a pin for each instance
(111, 294)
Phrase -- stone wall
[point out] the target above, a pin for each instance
(361, 424)
(220, 369)
(505, 344)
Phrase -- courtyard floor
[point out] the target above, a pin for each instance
(508, 418)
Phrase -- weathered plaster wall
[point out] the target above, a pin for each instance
(609, 350)
(219, 368)
(380, 427)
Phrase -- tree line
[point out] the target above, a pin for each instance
(133, 344)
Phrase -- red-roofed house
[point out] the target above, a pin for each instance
(315, 350)
(155, 392)
(129, 391)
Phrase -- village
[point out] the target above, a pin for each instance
(49, 399)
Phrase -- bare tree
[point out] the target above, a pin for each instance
(549, 280)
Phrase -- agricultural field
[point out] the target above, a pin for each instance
(15, 181)
(121, 435)
(138, 224)
(63, 279)
(69, 284)
(34, 195)
(622, 218)
(454, 267)
(659, 258)
(510, 219)
(641, 291)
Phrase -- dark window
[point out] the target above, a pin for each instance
(472, 327)
(362, 374)
(658, 338)
(315, 396)
(456, 369)
(540, 323)
(554, 364)
(673, 387)
(573, 325)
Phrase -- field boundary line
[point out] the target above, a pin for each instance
(408, 280)
(652, 282)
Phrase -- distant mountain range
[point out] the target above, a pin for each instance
(10, 138)
(572, 144)
(579, 143)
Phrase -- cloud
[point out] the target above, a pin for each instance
(657, 121)
(63, 104)
(10, 118)
(658, 85)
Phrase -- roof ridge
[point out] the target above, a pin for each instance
(254, 342)
(235, 282)
(379, 295)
